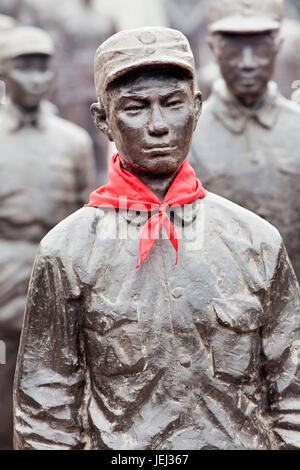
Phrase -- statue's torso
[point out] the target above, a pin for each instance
(173, 352)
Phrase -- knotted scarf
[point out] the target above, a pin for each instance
(125, 190)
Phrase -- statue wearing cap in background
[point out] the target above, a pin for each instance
(77, 27)
(247, 146)
(121, 347)
(47, 171)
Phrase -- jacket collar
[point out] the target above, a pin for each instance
(234, 116)
(184, 215)
(15, 119)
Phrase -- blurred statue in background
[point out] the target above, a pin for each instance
(47, 171)
(190, 18)
(77, 27)
(247, 146)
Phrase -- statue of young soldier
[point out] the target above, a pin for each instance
(198, 355)
(247, 146)
(47, 171)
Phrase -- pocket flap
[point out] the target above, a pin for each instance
(240, 313)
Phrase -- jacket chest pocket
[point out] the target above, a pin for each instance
(123, 353)
(115, 338)
(235, 342)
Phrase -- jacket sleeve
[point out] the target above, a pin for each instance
(49, 380)
(281, 354)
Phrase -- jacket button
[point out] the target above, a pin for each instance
(185, 361)
(177, 292)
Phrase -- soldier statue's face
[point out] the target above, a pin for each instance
(247, 62)
(151, 118)
(28, 79)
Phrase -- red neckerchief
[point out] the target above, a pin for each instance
(125, 190)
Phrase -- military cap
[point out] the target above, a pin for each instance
(135, 48)
(245, 16)
(22, 40)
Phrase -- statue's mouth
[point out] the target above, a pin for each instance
(162, 150)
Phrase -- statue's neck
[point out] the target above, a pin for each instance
(25, 110)
(253, 101)
(159, 184)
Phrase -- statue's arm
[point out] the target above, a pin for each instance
(281, 353)
(49, 380)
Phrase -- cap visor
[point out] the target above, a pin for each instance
(149, 62)
(242, 24)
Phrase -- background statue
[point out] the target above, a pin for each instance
(77, 27)
(287, 69)
(198, 355)
(47, 171)
(247, 146)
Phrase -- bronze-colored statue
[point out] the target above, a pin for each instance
(198, 355)
(46, 173)
(247, 146)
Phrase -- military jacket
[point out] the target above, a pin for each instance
(201, 355)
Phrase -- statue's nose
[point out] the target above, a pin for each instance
(157, 123)
(248, 60)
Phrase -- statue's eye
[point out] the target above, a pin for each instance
(134, 108)
(173, 103)
(23, 66)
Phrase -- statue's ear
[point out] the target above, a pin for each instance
(100, 119)
(198, 106)
(213, 44)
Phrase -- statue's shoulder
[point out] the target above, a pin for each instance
(240, 224)
(289, 107)
(67, 129)
(73, 235)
